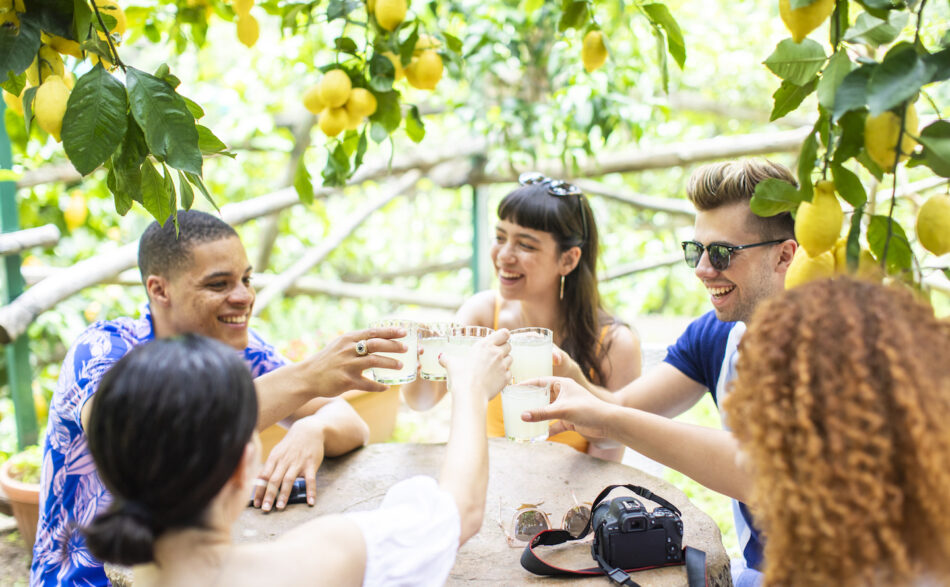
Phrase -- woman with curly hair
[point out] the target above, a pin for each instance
(841, 408)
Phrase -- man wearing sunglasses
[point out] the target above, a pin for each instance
(741, 258)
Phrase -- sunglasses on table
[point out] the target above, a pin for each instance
(528, 520)
(719, 255)
(558, 188)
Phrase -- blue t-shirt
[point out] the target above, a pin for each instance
(71, 493)
(705, 352)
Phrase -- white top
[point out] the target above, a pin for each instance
(413, 537)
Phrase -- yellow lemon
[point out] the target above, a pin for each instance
(840, 252)
(594, 51)
(361, 103)
(248, 30)
(40, 405)
(46, 63)
(76, 211)
(804, 20)
(333, 121)
(335, 88)
(397, 65)
(353, 121)
(818, 223)
(426, 42)
(63, 45)
(311, 100)
(49, 105)
(69, 79)
(106, 62)
(933, 224)
(242, 7)
(14, 103)
(112, 8)
(805, 268)
(425, 71)
(880, 137)
(868, 267)
(390, 13)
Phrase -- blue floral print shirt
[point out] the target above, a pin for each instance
(71, 493)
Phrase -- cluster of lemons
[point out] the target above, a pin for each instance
(248, 29)
(339, 105)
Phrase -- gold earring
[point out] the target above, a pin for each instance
(562, 287)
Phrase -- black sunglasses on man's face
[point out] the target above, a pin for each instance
(719, 255)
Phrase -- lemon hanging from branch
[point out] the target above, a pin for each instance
(801, 21)
(818, 223)
(49, 105)
(312, 101)
(397, 65)
(334, 88)
(880, 137)
(805, 268)
(425, 71)
(390, 13)
(333, 121)
(933, 224)
(248, 29)
(594, 51)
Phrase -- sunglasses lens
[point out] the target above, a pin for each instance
(719, 257)
(562, 188)
(575, 520)
(531, 177)
(528, 523)
(692, 253)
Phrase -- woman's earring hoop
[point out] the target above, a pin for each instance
(562, 288)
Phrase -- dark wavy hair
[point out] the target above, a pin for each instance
(841, 406)
(564, 217)
(168, 428)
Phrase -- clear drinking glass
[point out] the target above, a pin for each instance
(531, 353)
(516, 399)
(434, 340)
(409, 358)
(463, 338)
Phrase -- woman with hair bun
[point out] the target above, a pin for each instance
(545, 256)
(172, 433)
(841, 409)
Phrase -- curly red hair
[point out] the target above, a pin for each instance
(841, 407)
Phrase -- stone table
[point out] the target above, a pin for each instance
(519, 473)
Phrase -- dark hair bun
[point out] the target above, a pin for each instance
(121, 536)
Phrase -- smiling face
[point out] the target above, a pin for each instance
(752, 275)
(527, 262)
(212, 296)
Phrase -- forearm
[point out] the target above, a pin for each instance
(465, 469)
(279, 394)
(707, 455)
(341, 428)
(422, 394)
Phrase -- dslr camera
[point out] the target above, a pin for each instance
(627, 536)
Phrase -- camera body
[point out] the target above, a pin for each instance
(627, 536)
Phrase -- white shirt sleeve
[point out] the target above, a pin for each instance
(413, 537)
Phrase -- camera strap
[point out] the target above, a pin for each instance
(695, 559)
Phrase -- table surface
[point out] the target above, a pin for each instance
(519, 473)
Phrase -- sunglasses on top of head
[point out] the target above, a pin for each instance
(559, 188)
(719, 255)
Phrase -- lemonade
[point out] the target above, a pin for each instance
(516, 399)
(531, 354)
(462, 338)
(408, 358)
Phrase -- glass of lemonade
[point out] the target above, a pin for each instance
(434, 340)
(462, 338)
(409, 358)
(516, 399)
(531, 353)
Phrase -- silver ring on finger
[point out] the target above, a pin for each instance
(361, 348)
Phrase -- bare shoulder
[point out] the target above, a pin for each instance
(478, 310)
(622, 363)
(623, 338)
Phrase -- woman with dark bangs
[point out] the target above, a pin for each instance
(545, 257)
(842, 412)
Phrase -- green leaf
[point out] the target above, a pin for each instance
(851, 136)
(125, 173)
(381, 73)
(378, 132)
(574, 15)
(388, 112)
(302, 182)
(774, 196)
(941, 62)
(899, 77)
(196, 111)
(154, 196)
(870, 165)
(123, 202)
(82, 18)
(415, 128)
(14, 83)
(96, 119)
(839, 66)
(168, 125)
(876, 31)
(660, 15)
(197, 181)
(19, 47)
(660, 40)
(338, 167)
(340, 8)
(936, 141)
(878, 8)
(848, 185)
(454, 44)
(210, 144)
(852, 91)
(361, 146)
(28, 96)
(899, 255)
(796, 4)
(853, 251)
(187, 194)
(408, 46)
(796, 62)
(164, 73)
(806, 164)
(169, 186)
(789, 96)
(346, 45)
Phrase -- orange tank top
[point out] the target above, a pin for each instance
(495, 417)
